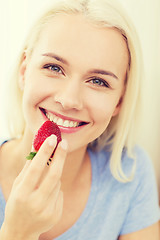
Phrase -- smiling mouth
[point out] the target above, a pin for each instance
(62, 122)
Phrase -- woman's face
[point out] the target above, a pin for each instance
(75, 77)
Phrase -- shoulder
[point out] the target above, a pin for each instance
(143, 209)
(138, 161)
(140, 155)
(138, 165)
(138, 158)
(132, 205)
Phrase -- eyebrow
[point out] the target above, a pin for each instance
(103, 72)
(55, 56)
(93, 71)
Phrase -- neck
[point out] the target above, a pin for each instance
(73, 168)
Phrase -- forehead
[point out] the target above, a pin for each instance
(75, 38)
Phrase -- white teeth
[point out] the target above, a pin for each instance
(66, 123)
(55, 119)
(47, 115)
(61, 122)
(51, 118)
(71, 124)
(75, 124)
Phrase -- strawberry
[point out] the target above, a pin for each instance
(48, 128)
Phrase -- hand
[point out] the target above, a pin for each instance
(35, 204)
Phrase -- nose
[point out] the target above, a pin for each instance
(70, 95)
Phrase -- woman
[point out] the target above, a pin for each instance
(81, 68)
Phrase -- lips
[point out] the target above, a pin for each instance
(62, 121)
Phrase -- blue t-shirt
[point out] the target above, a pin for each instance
(114, 208)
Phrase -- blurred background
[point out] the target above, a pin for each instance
(17, 16)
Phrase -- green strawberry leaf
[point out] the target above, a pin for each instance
(31, 155)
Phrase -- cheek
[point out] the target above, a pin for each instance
(34, 89)
(32, 96)
(102, 107)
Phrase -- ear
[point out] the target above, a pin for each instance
(22, 71)
(118, 107)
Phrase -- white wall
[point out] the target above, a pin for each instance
(16, 17)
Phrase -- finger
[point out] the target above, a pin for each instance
(45, 200)
(38, 164)
(55, 169)
(23, 172)
(52, 198)
(45, 151)
(59, 206)
(58, 161)
(55, 209)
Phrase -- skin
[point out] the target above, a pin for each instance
(72, 93)
(68, 90)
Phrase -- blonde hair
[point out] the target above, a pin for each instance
(121, 131)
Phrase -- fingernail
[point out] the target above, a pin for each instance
(52, 140)
(32, 149)
(64, 144)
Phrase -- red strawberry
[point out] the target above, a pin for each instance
(48, 128)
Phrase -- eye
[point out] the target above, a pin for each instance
(53, 68)
(100, 82)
